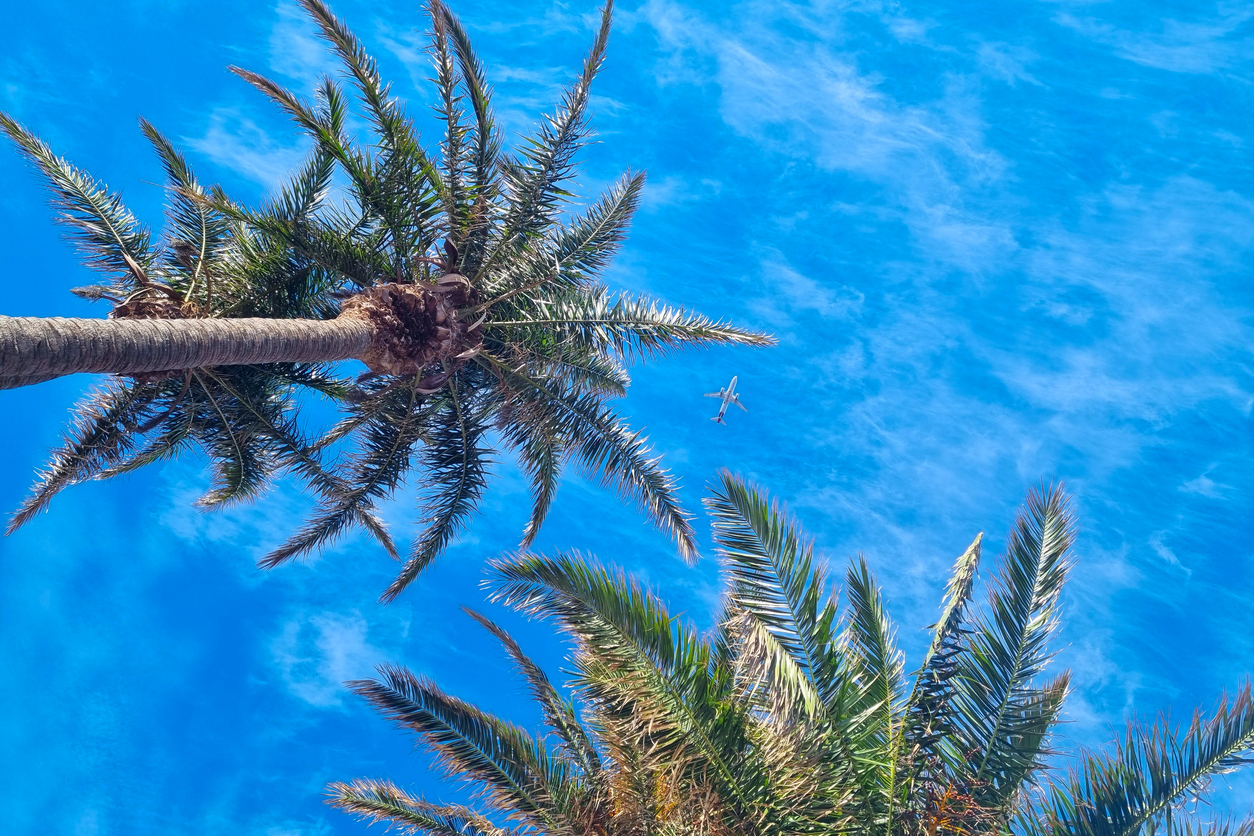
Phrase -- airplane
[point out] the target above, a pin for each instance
(729, 396)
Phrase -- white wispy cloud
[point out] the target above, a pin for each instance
(1203, 485)
(296, 51)
(1182, 46)
(788, 292)
(236, 142)
(993, 342)
(315, 654)
(1007, 63)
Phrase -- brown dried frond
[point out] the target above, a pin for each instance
(954, 811)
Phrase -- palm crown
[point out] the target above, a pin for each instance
(479, 281)
(795, 716)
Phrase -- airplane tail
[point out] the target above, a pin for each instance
(719, 419)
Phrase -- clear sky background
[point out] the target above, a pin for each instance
(1000, 243)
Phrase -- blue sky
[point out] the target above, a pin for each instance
(999, 244)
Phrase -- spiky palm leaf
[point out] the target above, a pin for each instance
(997, 695)
(1145, 784)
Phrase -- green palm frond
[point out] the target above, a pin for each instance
(876, 665)
(386, 436)
(395, 131)
(101, 436)
(177, 434)
(326, 133)
(552, 340)
(268, 418)
(573, 253)
(453, 144)
(637, 662)
(600, 443)
(954, 605)
(197, 231)
(541, 455)
(773, 577)
(383, 803)
(1153, 771)
(534, 189)
(473, 225)
(456, 461)
(1009, 648)
(240, 460)
(929, 725)
(406, 197)
(559, 712)
(582, 248)
(305, 192)
(107, 234)
(513, 770)
(583, 370)
(630, 326)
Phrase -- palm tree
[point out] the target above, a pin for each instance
(461, 276)
(796, 716)
(658, 738)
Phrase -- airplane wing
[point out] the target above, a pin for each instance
(714, 394)
(739, 404)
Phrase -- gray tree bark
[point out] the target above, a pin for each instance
(33, 349)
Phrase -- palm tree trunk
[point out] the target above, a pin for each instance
(33, 349)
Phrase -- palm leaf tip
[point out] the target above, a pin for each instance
(384, 803)
(104, 230)
(1153, 770)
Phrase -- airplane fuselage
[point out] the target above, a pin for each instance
(728, 397)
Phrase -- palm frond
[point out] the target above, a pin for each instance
(1009, 647)
(106, 232)
(768, 675)
(407, 181)
(198, 232)
(876, 665)
(631, 326)
(540, 453)
(269, 420)
(485, 144)
(602, 444)
(383, 803)
(456, 461)
(1154, 770)
(582, 248)
(534, 183)
(390, 426)
(239, 460)
(100, 437)
(580, 367)
(772, 576)
(559, 712)
(929, 725)
(327, 134)
(635, 660)
(571, 254)
(449, 109)
(513, 769)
